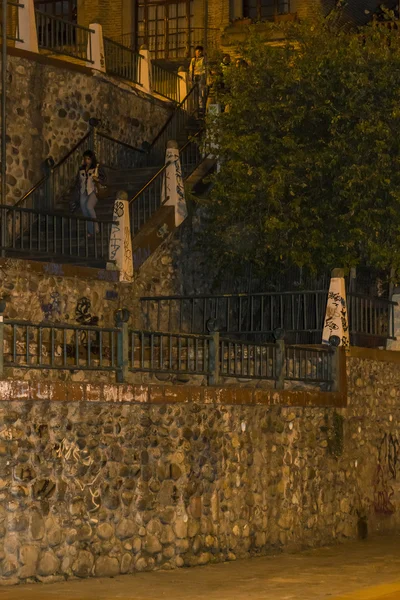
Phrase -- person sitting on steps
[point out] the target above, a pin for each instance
(91, 178)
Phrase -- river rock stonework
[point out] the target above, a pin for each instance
(49, 105)
(99, 489)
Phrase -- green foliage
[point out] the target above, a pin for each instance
(310, 152)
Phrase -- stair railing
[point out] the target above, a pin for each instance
(59, 179)
(148, 200)
(177, 122)
(165, 82)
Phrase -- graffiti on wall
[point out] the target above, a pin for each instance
(52, 310)
(82, 312)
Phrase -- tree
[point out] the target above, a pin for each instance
(310, 152)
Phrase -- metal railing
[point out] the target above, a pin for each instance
(63, 37)
(115, 154)
(122, 61)
(370, 317)
(257, 316)
(191, 154)
(247, 360)
(118, 349)
(183, 115)
(60, 179)
(148, 200)
(154, 352)
(12, 25)
(39, 233)
(63, 347)
(314, 365)
(164, 82)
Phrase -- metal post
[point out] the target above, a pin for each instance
(214, 359)
(2, 309)
(334, 342)
(121, 319)
(280, 364)
(3, 105)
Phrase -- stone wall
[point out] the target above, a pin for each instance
(50, 103)
(126, 484)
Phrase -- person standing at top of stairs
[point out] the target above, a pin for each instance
(197, 74)
(91, 179)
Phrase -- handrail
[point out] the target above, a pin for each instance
(54, 167)
(238, 295)
(122, 46)
(371, 298)
(125, 144)
(190, 140)
(55, 213)
(43, 324)
(178, 107)
(66, 21)
(140, 192)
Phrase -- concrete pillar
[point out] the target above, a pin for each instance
(174, 189)
(96, 48)
(27, 27)
(183, 83)
(120, 251)
(145, 70)
(336, 316)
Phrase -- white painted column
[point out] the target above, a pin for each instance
(183, 83)
(336, 316)
(145, 70)
(174, 191)
(27, 27)
(97, 44)
(120, 251)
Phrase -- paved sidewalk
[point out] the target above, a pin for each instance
(354, 571)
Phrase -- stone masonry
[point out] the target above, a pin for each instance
(50, 103)
(98, 488)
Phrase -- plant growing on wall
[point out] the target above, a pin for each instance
(309, 148)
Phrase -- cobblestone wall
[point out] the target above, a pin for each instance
(102, 488)
(48, 112)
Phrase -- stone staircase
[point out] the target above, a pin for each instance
(63, 237)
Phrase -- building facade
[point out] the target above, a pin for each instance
(172, 28)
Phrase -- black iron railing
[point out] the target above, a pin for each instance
(122, 61)
(183, 116)
(12, 26)
(191, 154)
(63, 37)
(257, 316)
(43, 234)
(371, 317)
(116, 154)
(148, 200)
(164, 82)
(61, 178)
(241, 314)
(118, 349)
